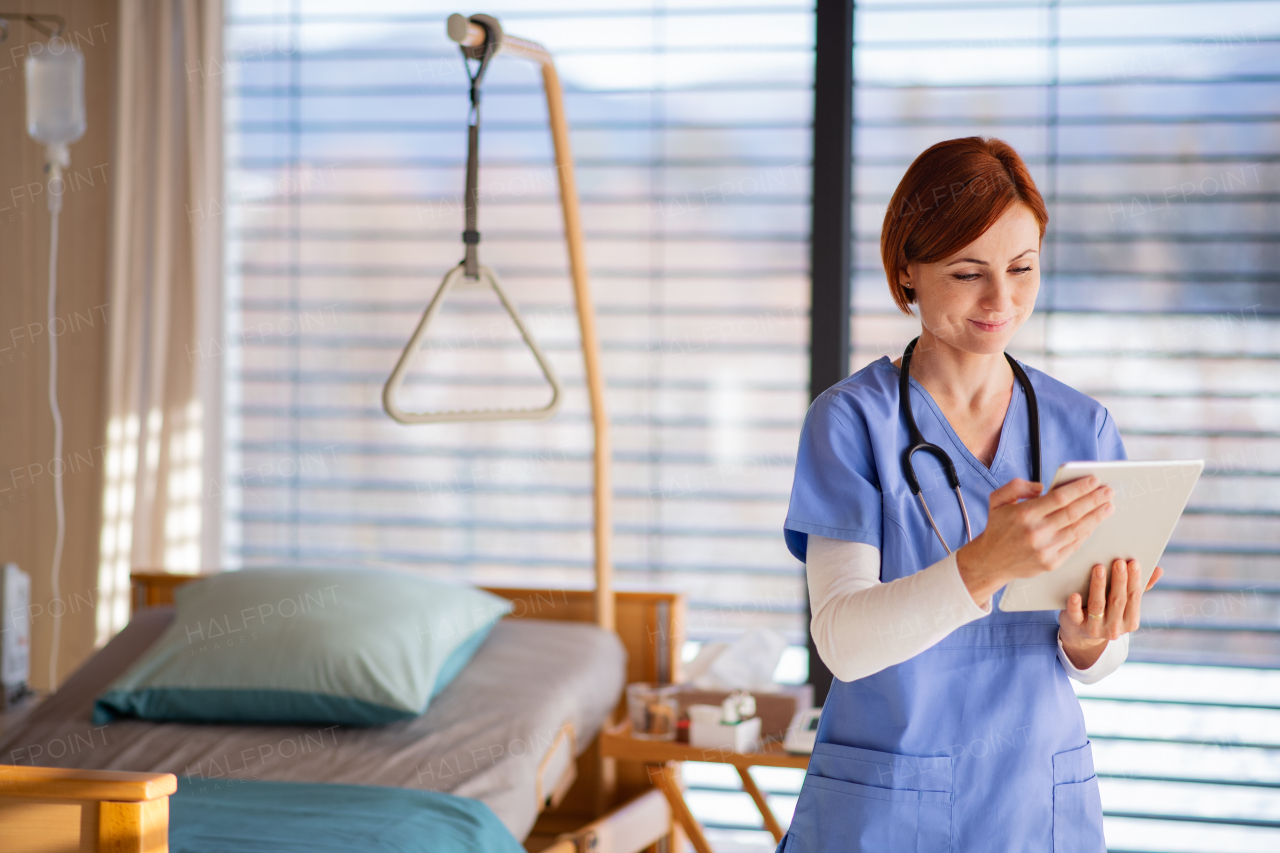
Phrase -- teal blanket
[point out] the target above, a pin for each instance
(232, 816)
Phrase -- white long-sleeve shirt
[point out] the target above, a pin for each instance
(861, 625)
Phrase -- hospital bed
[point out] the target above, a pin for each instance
(516, 730)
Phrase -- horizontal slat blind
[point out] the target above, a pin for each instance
(346, 146)
(1152, 130)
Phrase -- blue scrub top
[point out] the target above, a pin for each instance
(849, 484)
(977, 743)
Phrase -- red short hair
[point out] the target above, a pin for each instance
(948, 198)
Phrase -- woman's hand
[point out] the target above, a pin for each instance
(1028, 534)
(1085, 634)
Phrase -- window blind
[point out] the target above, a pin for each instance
(1151, 129)
(345, 153)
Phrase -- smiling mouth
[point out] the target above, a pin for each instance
(992, 327)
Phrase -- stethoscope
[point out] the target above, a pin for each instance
(917, 441)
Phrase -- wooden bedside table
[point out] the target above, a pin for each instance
(661, 757)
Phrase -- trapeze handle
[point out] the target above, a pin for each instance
(392, 387)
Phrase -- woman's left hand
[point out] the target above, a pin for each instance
(1085, 634)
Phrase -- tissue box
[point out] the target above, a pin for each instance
(775, 710)
(732, 737)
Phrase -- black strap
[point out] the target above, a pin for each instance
(471, 199)
(471, 236)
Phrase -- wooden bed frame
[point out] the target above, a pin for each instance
(601, 805)
(612, 807)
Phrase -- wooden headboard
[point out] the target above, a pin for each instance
(650, 624)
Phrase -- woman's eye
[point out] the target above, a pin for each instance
(966, 276)
(1020, 270)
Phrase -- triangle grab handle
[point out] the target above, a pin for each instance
(396, 379)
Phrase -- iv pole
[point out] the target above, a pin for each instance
(470, 34)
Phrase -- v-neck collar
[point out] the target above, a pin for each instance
(958, 445)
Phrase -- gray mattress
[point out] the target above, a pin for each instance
(484, 736)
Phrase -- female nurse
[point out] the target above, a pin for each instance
(951, 725)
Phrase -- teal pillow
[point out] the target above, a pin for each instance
(348, 646)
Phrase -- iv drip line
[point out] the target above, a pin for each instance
(56, 118)
(55, 205)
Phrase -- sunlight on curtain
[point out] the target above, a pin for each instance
(117, 527)
(183, 514)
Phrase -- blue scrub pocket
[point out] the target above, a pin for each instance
(1077, 805)
(863, 801)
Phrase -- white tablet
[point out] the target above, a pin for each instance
(1149, 499)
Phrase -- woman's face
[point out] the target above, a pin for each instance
(977, 298)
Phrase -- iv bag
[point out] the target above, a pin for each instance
(55, 94)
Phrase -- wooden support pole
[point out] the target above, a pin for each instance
(590, 347)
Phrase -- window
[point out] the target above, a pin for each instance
(1152, 130)
(345, 152)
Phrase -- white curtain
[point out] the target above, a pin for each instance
(163, 430)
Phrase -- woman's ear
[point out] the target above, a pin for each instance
(904, 281)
